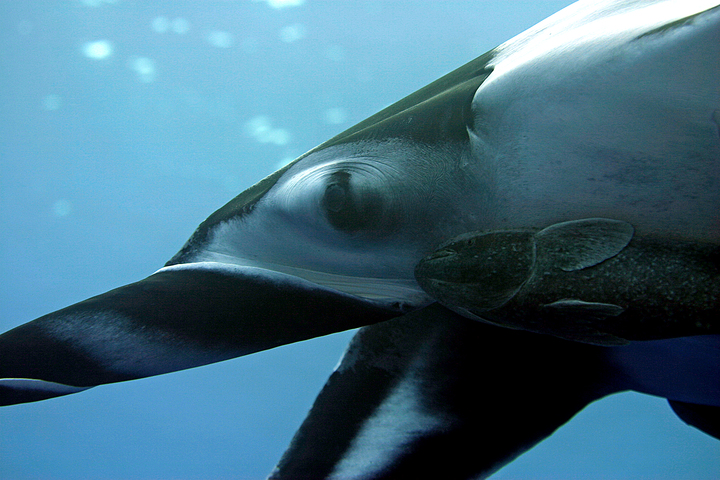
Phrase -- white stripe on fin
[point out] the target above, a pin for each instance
(396, 423)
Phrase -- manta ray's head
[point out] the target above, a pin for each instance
(355, 217)
(327, 243)
(358, 212)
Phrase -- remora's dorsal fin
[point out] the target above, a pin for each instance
(579, 244)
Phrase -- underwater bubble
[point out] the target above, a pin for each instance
(284, 161)
(232, 184)
(365, 74)
(180, 26)
(292, 33)
(277, 136)
(161, 24)
(335, 116)
(97, 3)
(52, 102)
(62, 208)
(277, 4)
(257, 125)
(336, 53)
(250, 45)
(144, 67)
(220, 39)
(97, 50)
(261, 129)
(25, 27)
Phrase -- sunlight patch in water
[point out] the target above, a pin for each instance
(144, 68)
(262, 130)
(52, 102)
(336, 53)
(97, 50)
(163, 24)
(335, 116)
(220, 39)
(62, 208)
(292, 33)
(278, 4)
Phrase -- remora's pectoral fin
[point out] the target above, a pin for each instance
(705, 418)
(434, 395)
(180, 317)
(583, 321)
(579, 244)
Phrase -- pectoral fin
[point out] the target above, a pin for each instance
(581, 321)
(435, 395)
(571, 306)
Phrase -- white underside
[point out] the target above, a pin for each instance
(608, 109)
(391, 290)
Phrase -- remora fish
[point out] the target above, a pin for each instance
(362, 224)
(584, 280)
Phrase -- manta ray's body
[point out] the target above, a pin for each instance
(604, 118)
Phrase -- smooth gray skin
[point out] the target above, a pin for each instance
(608, 109)
(583, 280)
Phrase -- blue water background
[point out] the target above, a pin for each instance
(124, 124)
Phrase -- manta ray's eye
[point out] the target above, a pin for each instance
(335, 197)
(350, 207)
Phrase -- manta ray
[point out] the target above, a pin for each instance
(532, 232)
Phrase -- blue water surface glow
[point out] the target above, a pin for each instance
(124, 124)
